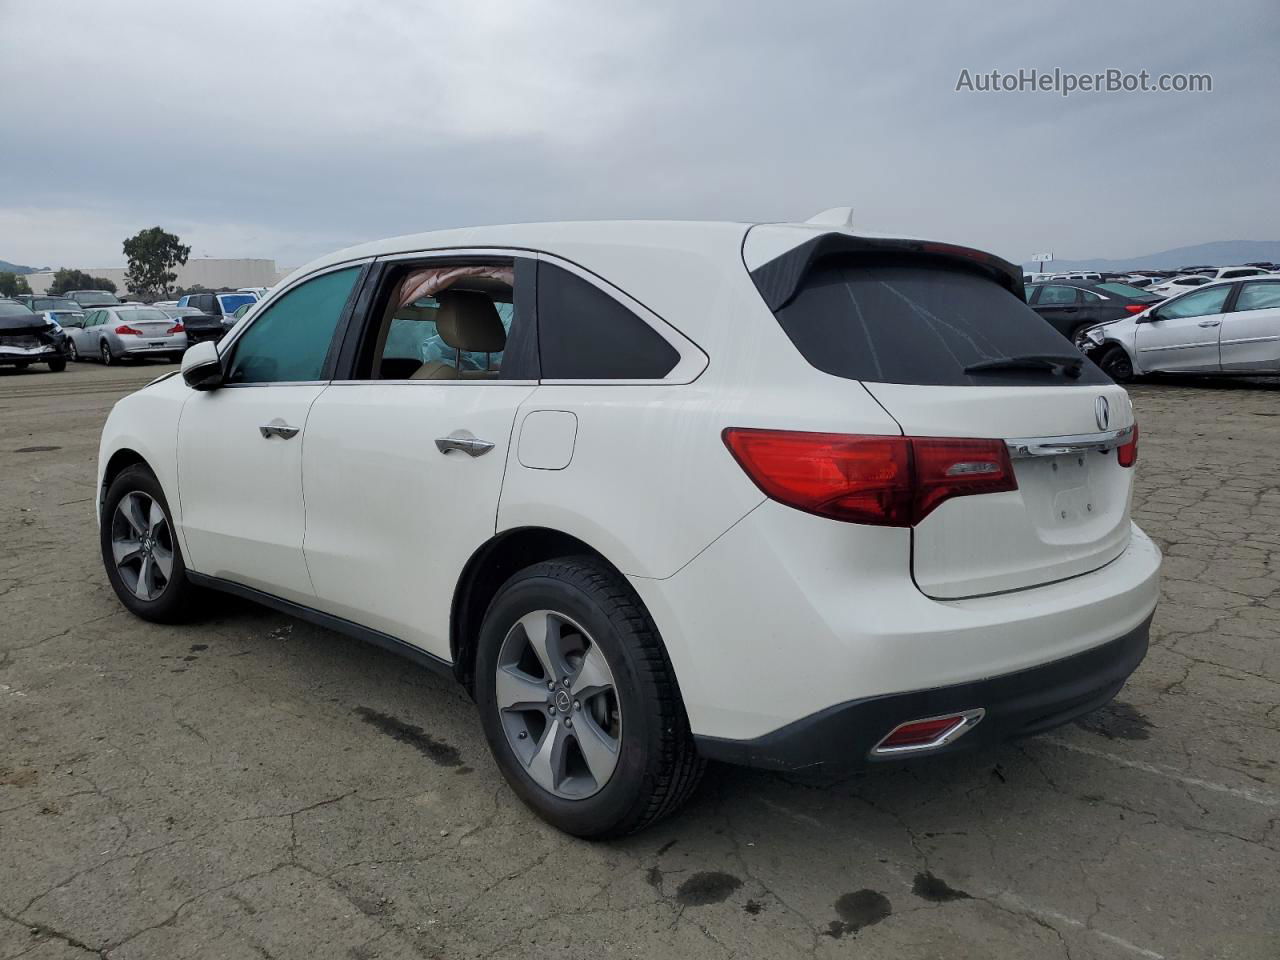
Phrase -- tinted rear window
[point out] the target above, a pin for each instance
(1124, 290)
(921, 324)
(584, 334)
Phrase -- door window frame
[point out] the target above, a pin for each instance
(692, 360)
(227, 346)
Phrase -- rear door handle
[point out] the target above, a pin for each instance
(465, 441)
(277, 428)
(1210, 323)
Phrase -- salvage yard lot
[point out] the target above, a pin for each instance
(254, 786)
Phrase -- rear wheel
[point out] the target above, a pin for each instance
(1116, 364)
(579, 701)
(140, 549)
(72, 352)
(104, 351)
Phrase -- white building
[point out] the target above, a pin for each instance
(205, 271)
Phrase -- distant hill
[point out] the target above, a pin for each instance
(7, 267)
(1219, 254)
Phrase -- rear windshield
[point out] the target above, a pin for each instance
(95, 298)
(890, 322)
(141, 315)
(1124, 290)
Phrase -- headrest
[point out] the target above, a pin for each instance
(469, 321)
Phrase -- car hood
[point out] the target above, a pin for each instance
(17, 325)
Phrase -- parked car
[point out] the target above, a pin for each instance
(258, 292)
(217, 304)
(1079, 275)
(37, 303)
(1179, 284)
(1070, 305)
(123, 332)
(1225, 327)
(27, 338)
(895, 524)
(93, 298)
(199, 326)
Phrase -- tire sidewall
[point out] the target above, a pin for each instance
(104, 352)
(623, 796)
(171, 604)
(1109, 362)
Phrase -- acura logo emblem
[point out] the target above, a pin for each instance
(1102, 411)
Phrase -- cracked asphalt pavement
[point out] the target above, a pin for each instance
(253, 786)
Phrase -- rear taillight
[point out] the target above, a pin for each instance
(886, 481)
(1135, 307)
(178, 328)
(1127, 452)
(124, 328)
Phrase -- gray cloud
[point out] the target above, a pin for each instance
(285, 130)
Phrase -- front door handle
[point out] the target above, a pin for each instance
(1210, 323)
(277, 428)
(465, 441)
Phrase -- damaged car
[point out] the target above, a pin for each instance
(27, 338)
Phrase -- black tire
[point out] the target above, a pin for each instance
(104, 354)
(658, 766)
(1116, 364)
(57, 366)
(178, 599)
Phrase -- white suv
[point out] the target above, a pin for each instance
(781, 495)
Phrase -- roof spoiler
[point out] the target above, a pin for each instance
(780, 278)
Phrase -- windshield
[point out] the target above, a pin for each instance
(233, 301)
(95, 298)
(898, 321)
(10, 309)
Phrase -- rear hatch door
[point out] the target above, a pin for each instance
(942, 338)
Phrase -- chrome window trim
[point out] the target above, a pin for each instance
(1025, 447)
(470, 382)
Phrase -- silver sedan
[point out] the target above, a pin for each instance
(128, 331)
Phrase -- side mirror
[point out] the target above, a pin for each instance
(202, 367)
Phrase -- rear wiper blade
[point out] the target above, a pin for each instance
(1070, 364)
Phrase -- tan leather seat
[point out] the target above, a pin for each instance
(465, 321)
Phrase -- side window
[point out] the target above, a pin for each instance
(1199, 304)
(450, 320)
(1033, 292)
(1262, 295)
(1088, 296)
(585, 334)
(1055, 294)
(290, 341)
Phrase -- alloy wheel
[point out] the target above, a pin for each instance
(71, 351)
(559, 704)
(142, 545)
(106, 353)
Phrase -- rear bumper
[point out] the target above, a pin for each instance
(172, 345)
(1016, 705)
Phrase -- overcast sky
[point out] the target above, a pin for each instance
(285, 130)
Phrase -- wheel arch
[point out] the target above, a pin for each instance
(487, 569)
(119, 460)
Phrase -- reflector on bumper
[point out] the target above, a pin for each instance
(927, 734)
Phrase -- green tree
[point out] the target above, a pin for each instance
(153, 253)
(66, 279)
(12, 284)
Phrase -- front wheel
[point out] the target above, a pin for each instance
(1116, 364)
(579, 701)
(57, 366)
(140, 549)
